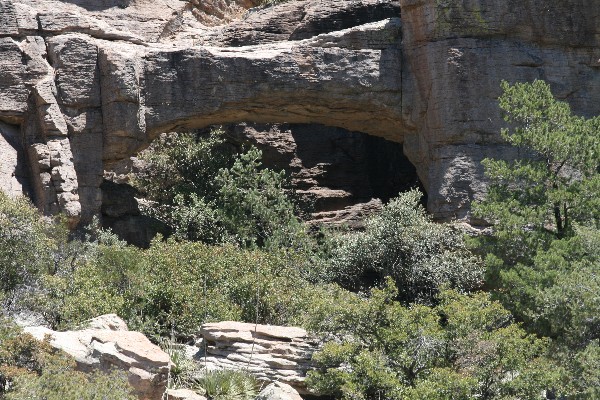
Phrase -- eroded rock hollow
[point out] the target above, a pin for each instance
(85, 84)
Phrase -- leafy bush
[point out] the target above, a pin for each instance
(205, 192)
(255, 207)
(402, 242)
(174, 287)
(26, 248)
(59, 381)
(186, 284)
(466, 347)
(97, 282)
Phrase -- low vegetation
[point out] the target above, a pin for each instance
(407, 308)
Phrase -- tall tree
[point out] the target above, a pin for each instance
(555, 186)
(543, 256)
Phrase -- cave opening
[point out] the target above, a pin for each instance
(14, 169)
(343, 176)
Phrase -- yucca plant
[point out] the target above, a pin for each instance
(228, 385)
(184, 372)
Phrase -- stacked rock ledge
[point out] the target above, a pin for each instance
(270, 353)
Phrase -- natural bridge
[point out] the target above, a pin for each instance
(83, 89)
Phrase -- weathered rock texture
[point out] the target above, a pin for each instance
(455, 56)
(183, 394)
(342, 176)
(279, 391)
(107, 344)
(92, 82)
(270, 353)
(13, 173)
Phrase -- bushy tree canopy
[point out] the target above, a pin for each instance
(543, 253)
(554, 186)
(403, 242)
(466, 347)
(206, 192)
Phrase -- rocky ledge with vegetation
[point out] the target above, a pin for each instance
(407, 308)
(238, 293)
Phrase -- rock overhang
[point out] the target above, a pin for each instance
(428, 80)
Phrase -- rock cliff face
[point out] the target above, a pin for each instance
(88, 83)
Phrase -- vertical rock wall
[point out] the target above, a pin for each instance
(457, 53)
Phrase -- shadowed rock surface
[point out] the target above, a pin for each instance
(90, 83)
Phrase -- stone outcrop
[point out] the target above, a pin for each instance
(13, 172)
(91, 82)
(297, 20)
(219, 12)
(278, 391)
(455, 56)
(105, 344)
(270, 353)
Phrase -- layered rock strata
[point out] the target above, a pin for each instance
(270, 353)
(455, 56)
(92, 82)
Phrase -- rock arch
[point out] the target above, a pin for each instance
(89, 87)
(109, 100)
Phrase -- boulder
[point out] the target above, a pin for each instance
(107, 344)
(278, 391)
(107, 322)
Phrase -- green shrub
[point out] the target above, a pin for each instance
(59, 381)
(96, 283)
(184, 372)
(228, 385)
(466, 347)
(26, 248)
(182, 285)
(173, 287)
(402, 242)
(583, 375)
(206, 192)
(255, 208)
(178, 178)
